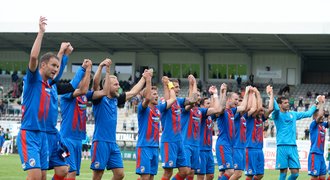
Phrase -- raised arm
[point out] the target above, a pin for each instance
(106, 87)
(147, 91)
(84, 84)
(137, 88)
(192, 91)
(320, 113)
(35, 51)
(269, 91)
(165, 82)
(97, 75)
(215, 106)
(223, 98)
(243, 105)
(172, 99)
(253, 100)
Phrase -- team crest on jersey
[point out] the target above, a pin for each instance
(291, 116)
(142, 169)
(32, 162)
(209, 123)
(170, 163)
(97, 164)
(227, 165)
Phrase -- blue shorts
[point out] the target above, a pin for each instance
(173, 155)
(33, 149)
(207, 162)
(105, 155)
(224, 157)
(74, 160)
(316, 165)
(55, 158)
(192, 156)
(147, 160)
(239, 158)
(287, 157)
(255, 162)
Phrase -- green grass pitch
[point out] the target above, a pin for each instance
(10, 169)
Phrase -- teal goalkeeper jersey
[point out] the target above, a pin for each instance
(285, 123)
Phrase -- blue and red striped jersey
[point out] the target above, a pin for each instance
(190, 123)
(35, 101)
(226, 127)
(206, 132)
(170, 120)
(317, 135)
(74, 117)
(240, 131)
(149, 124)
(254, 132)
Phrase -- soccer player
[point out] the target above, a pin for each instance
(55, 145)
(285, 122)
(105, 151)
(206, 167)
(172, 152)
(73, 125)
(190, 123)
(224, 150)
(149, 124)
(32, 140)
(256, 116)
(316, 164)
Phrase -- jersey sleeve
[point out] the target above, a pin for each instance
(32, 77)
(64, 62)
(276, 111)
(234, 110)
(204, 112)
(162, 105)
(140, 108)
(89, 95)
(78, 77)
(313, 125)
(121, 99)
(309, 113)
(66, 96)
(181, 102)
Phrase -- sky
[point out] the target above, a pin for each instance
(231, 16)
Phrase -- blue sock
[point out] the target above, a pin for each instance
(282, 176)
(293, 176)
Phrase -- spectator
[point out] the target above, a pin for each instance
(2, 107)
(239, 81)
(251, 78)
(291, 103)
(309, 94)
(306, 133)
(272, 129)
(8, 144)
(14, 81)
(266, 126)
(300, 104)
(270, 82)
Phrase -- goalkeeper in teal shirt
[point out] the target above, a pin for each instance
(285, 122)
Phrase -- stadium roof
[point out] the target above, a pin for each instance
(299, 26)
(316, 47)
